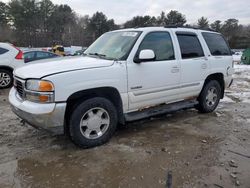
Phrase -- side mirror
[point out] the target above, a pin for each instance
(146, 55)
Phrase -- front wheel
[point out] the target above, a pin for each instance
(209, 97)
(93, 122)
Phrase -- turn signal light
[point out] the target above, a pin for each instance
(45, 86)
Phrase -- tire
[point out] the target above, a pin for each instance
(209, 97)
(93, 122)
(6, 79)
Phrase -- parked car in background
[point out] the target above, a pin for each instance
(237, 57)
(245, 59)
(71, 50)
(80, 52)
(10, 58)
(59, 50)
(38, 55)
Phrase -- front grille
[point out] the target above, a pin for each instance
(20, 88)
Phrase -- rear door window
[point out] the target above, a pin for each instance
(3, 51)
(52, 55)
(42, 55)
(217, 44)
(190, 46)
(29, 55)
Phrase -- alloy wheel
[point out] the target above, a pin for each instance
(5, 79)
(94, 123)
(211, 97)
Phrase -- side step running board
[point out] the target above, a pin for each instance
(158, 110)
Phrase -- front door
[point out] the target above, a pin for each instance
(154, 82)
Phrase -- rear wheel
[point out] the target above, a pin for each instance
(6, 79)
(209, 97)
(93, 122)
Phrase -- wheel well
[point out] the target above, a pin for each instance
(218, 77)
(6, 68)
(109, 93)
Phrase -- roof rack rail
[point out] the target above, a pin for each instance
(209, 29)
(179, 26)
(188, 27)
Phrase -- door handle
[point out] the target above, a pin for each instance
(204, 66)
(175, 69)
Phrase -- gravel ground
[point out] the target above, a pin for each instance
(200, 150)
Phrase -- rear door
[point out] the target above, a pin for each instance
(194, 64)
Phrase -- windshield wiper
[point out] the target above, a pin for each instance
(101, 56)
(97, 54)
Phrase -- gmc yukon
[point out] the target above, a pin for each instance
(125, 75)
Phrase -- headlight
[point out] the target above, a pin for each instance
(39, 91)
(39, 85)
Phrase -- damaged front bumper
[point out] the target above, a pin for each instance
(43, 116)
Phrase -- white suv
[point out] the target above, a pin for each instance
(124, 76)
(10, 58)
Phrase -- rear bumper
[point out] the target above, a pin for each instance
(43, 116)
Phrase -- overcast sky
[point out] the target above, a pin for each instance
(122, 10)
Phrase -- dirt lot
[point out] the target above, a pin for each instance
(201, 150)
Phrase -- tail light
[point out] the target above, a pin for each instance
(19, 55)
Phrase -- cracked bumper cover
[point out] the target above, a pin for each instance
(43, 116)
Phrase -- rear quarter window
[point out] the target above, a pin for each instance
(217, 44)
(3, 51)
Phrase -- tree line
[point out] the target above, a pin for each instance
(42, 23)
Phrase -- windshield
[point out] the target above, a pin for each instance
(113, 45)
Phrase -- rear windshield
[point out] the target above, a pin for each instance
(217, 44)
(3, 51)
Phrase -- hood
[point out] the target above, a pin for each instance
(39, 69)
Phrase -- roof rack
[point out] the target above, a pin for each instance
(188, 27)
(180, 26)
